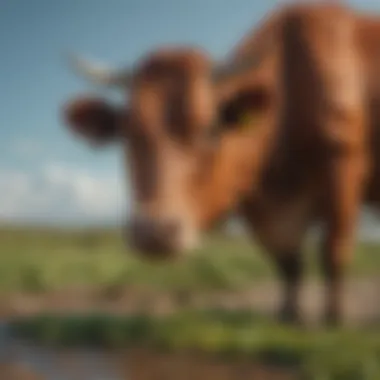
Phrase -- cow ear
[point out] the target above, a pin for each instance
(93, 119)
(245, 109)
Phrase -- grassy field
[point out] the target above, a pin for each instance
(44, 261)
(38, 260)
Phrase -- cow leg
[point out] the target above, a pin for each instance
(280, 228)
(345, 183)
(290, 269)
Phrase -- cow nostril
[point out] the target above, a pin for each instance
(154, 236)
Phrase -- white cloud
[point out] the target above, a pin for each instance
(58, 193)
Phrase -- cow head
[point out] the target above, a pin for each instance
(190, 162)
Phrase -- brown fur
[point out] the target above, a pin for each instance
(311, 156)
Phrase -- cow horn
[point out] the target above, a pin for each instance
(99, 73)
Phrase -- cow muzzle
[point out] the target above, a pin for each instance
(160, 239)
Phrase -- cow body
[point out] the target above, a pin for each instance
(311, 156)
(325, 163)
(324, 158)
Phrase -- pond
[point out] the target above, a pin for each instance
(22, 360)
(31, 361)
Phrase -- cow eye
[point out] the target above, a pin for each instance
(247, 109)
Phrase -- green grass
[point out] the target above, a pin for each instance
(43, 260)
(324, 354)
(38, 260)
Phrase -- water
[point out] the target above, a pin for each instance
(55, 364)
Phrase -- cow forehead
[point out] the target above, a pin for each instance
(166, 60)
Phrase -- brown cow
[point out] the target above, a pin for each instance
(285, 132)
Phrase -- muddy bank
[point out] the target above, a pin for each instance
(362, 300)
(139, 365)
(26, 361)
(149, 366)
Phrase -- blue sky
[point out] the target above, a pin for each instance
(46, 175)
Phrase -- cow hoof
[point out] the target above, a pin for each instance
(333, 319)
(290, 316)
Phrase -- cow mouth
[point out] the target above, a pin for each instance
(162, 249)
(155, 252)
